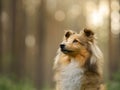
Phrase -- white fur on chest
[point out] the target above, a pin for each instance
(71, 77)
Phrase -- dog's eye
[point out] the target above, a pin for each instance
(75, 41)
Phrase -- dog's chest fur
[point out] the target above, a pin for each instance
(71, 76)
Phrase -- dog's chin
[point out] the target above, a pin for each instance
(66, 51)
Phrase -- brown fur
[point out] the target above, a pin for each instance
(79, 48)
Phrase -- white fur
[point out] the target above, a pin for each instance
(71, 76)
(57, 59)
(96, 52)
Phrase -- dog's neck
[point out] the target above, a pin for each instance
(71, 75)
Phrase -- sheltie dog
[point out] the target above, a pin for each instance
(79, 61)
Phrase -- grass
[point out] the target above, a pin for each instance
(7, 83)
(10, 83)
(114, 84)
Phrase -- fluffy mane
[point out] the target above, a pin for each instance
(96, 52)
(79, 62)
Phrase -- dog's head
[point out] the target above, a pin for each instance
(73, 43)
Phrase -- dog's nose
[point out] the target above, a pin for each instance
(62, 45)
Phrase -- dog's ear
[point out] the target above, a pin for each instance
(88, 32)
(68, 33)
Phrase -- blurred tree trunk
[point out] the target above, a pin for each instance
(114, 47)
(40, 64)
(31, 42)
(18, 38)
(114, 54)
(35, 41)
(0, 39)
(6, 35)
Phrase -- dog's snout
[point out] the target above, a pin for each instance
(62, 45)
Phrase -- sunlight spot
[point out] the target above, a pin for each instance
(103, 8)
(59, 15)
(95, 19)
(30, 41)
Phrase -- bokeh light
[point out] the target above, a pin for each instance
(60, 15)
(4, 17)
(96, 18)
(115, 18)
(30, 41)
(115, 23)
(115, 5)
(104, 8)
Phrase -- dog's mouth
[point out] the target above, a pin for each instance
(66, 51)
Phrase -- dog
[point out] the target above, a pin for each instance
(79, 62)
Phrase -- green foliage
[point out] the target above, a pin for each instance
(115, 83)
(47, 88)
(7, 83)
